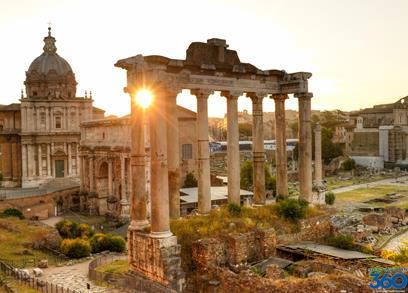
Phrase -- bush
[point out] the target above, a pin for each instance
(13, 213)
(292, 209)
(102, 242)
(349, 164)
(342, 241)
(329, 198)
(234, 209)
(75, 248)
(190, 181)
(71, 230)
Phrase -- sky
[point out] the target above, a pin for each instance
(356, 49)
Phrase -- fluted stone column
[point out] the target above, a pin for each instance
(24, 161)
(91, 174)
(204, 179)
(122, 177)
(160, 217)
(69, 145)
(305, 146)
(30, 160)
(318, 155)
(173, 153)
(138, 211)
(233, 159)
(281, 154)
(39, 160)
(258, 153)
(110, 177)
(49, 160)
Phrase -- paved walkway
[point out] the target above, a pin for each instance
(396, 242)
(388, 181)
(74, 277)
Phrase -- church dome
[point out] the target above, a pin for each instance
(50, 76)
(50, 60)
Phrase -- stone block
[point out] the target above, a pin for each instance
(43, 264)
(37, 272)
(395, 212)
(380, 221)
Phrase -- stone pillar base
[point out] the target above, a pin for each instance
(157, 259)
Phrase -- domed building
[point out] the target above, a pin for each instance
(39, 138)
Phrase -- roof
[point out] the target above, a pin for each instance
(10, 107)
(95, 109)
(190, 195)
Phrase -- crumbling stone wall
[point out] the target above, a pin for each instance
(311, 229)
(235, 249)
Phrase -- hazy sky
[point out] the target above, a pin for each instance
(356, 49)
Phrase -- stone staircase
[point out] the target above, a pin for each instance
(60, 183)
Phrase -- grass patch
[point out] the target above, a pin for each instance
(365, 194)
(18, 235)
(227, 221)
(116, 267)
(334, 182)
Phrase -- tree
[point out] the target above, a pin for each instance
(190, 181)
(247, 177)
(245, 129)
(349, 164)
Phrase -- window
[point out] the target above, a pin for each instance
(187, 151)
(42, 119)
(58, 122)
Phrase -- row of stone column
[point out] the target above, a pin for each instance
(165, 173)
(34, 168)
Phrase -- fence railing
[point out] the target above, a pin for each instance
(102, 260)
(22, 278)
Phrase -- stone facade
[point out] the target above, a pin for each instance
(39, 138)
(105, 158)
(379, 135)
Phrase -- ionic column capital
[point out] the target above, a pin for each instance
(231, 95)
(280, 96)
(318, 127)
(304, 95)
(202, 93)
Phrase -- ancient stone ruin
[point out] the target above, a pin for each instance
(208, 67)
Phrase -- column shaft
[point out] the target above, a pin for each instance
(160, 217)
(280, 153)
(122, 178)
(91, 174)
(138, 210)
(233, 158)
(24, 161)
(305, 146)
(69, 145)
(49, 160)
(204, 179)
(30, 160)
(173, 154)
(39, 160)
(318, 155)
(258, 154)
(110, 177)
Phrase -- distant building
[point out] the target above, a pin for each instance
(378, 136)
(39, 137)
(105, 164)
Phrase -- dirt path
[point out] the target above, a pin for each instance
(401, 180)
(396, 242)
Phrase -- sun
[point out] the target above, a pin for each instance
(144, 98)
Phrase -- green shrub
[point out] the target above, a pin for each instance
(292, 209)
(13, 213)
(75, 248)
(329, 198)
(70, 229)
(349, 164)
(247, 177)
(234, 209)
(190, 181)
(102, 242)
(341, 241)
